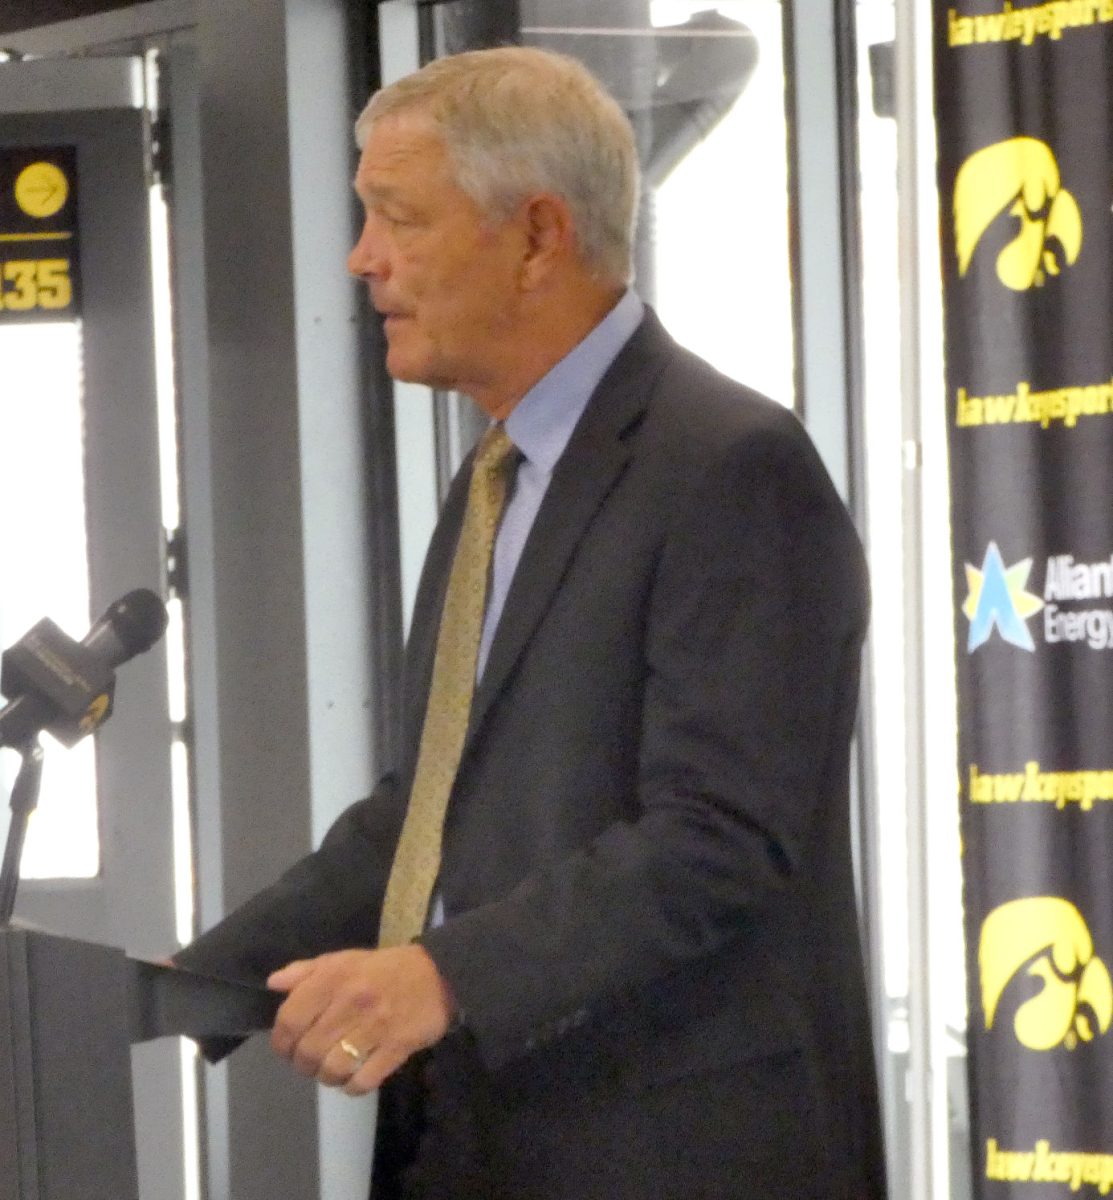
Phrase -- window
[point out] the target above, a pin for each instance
(44, 553)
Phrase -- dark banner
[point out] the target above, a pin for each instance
(1024, 106)
(38, 234)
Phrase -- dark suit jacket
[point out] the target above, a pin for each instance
(646, 870)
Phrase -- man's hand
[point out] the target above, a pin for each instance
(354, 1017)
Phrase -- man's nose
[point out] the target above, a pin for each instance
(368, 257)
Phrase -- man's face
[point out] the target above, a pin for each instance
(443, 277)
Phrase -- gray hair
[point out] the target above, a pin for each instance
(517, 120)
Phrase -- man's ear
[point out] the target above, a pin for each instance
(550, 235)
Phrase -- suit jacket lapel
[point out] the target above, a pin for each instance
(594, 460)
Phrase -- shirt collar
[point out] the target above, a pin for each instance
(541, 423)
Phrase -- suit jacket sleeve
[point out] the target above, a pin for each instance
(755, 625)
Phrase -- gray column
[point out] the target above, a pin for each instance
(274, 495)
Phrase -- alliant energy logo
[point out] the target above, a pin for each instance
(997, 599)
(1071, 607)
(1017, 178)
(1046, 939)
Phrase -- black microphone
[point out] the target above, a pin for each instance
(65, 687)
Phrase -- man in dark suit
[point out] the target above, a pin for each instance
(620, 814)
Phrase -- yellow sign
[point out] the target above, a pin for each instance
(39, 273)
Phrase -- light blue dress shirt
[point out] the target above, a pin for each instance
(540, 425)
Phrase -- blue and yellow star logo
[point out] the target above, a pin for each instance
(997, 596)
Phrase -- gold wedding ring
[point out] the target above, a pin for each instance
(355, 1055)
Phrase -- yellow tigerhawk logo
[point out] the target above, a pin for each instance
(1048, 936)
(1019, 176)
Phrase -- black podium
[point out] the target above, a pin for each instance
(69, 1012)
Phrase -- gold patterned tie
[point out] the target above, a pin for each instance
(417, 858)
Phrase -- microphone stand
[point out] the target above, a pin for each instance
(25, 797)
